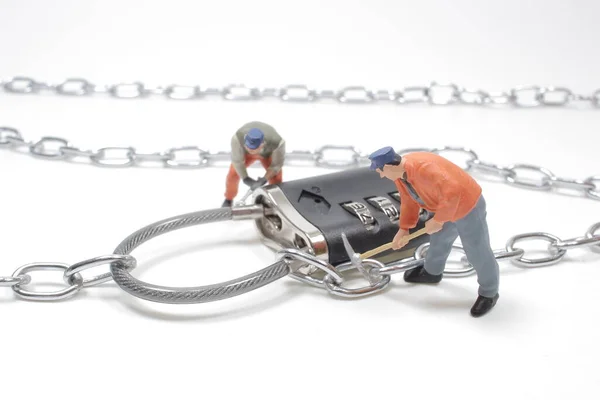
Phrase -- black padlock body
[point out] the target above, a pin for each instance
(319, 200)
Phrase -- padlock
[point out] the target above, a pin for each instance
(311, 215)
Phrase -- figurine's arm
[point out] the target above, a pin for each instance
(448, 192)
(409, 209)
(277, 159)
(238, 157)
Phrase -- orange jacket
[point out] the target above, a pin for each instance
(445, 188)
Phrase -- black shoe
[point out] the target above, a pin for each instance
(226, 203)
(419, 275)
(483, 305)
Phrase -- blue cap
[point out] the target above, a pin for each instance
(254, 138)
(382, 157)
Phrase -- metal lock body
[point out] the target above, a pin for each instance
(311, 214)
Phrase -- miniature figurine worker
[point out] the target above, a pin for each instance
(255, 141)
(429, 181)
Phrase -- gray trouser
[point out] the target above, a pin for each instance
(473, 232)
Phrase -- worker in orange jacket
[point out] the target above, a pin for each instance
(429, 181)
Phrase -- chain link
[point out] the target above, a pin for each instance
(352, 159)
(75, 87)
(380, 282)
(489, 168)
(297, 259)
(297, 93)
(555, 253)
(473, 96)
(75, 283)
(43, 148)
(9, 136)
(121, 157)
(21, 85)
(443, 93)
(126, 261)
(176, 157)
(514, 179)
(471, 155)
(128, 90)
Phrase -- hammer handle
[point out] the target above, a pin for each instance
(377, 250)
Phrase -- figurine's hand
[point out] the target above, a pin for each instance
(258, 183)
(433, 226)
(249, 182)
(400, 240)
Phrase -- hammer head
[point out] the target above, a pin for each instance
(352, 255)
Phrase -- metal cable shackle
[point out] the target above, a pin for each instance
(199, 294)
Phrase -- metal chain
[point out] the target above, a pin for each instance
(327, 156)
(57, 148)
(435, 93)
(71, 276)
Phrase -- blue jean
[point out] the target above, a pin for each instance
(474, 235)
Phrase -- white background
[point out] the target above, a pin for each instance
(288, 340)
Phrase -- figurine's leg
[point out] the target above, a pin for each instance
(474, 235)
(278, 178)
(440, 246)
(232, 184)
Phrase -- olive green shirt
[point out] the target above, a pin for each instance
(274, 147)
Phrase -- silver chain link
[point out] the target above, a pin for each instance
(328, 156)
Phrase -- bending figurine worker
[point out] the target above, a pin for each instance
(429, 181)
(255, 141)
